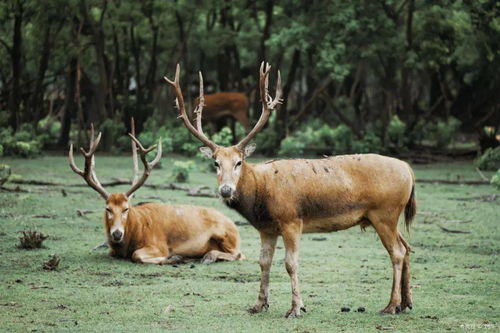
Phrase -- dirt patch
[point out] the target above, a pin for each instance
(113, 283)
(481, 198)
(149, 275)
(238, 279)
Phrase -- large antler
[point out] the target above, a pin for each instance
(148, 166)
(268, 104)
(197, 132)
(89, 171)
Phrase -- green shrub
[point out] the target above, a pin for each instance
(396, 132)
(24, 143)
(441, 133)
(291, 146)
(49, 130)
(1, 150)
(371, 143)
(489, 160)
(27, 149)
(5, 173)
(224, 137)
(181, 169)
(267, 141)
(495, 180)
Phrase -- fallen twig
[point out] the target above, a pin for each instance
(453, 231)
(453, 182)
(83, 212)
(483, 177)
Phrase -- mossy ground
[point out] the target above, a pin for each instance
(455, 277)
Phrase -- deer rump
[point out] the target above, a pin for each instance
(224, 104)
(327, 194)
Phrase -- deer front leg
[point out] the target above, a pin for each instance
(291, 239)
(151, 255)
(268, 244)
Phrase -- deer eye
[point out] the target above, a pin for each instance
(216, 164)
(237, 164)
(125, 210)
(109, 210)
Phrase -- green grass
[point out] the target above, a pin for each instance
(455, 277)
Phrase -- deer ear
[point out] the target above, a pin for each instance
(206, 151)
(249, 149)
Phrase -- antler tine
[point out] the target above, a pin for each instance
(268, 104)
(134, 152)
(88, 174)
(148, 166)
(199, 108)
(182, 111)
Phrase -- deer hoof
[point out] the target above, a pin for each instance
(391, 309)
(258, 308)
(208, 259)
(293, 313)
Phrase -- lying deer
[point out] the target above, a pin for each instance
(157, 233)
(290, 197)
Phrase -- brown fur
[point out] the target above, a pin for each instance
(154, 232)
(223, 104)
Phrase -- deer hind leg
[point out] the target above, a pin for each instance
(406, 299)
(389, 235)
(268, 244)
(291, 239)
(214, 255)
(226, 248)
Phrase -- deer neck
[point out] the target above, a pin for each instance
(250, 200)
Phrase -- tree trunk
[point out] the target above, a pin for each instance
(70, 105)
(16, 56)
(37, 100)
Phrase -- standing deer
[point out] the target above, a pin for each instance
(291, 197)
(157, 233)
(226, 104)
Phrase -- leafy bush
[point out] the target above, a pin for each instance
(489, 160)
(371, 143)
(495, 180)
(324, 139)
(5, 173)
(224, 137)
(267, 141)
(174, 136)
(49, 130)
(24, 143)
(441, 133)
(181, 169)
(396, 132)
(291, 146)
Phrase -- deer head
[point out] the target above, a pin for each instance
(117, 204)
(229, 161)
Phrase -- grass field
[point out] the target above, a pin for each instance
(455, 276)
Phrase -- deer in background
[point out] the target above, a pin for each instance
(223, 104)
(290, 197)
(157, 233)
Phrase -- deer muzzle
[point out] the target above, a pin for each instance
(225, 191)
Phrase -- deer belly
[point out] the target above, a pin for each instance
(334, 223)
(195, 246)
